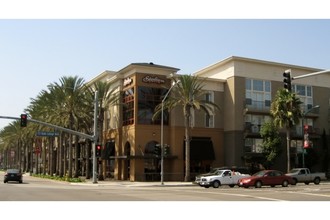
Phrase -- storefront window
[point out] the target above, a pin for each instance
(148, 99)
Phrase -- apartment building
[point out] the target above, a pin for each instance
(250, 87)
(243, 88)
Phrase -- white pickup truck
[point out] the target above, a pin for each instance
(303, 175)
(221, 177)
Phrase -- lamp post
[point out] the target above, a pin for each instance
(303, 134)
(162, 135)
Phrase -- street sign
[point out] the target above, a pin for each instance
(47, 134)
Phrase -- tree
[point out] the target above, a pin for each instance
(188, 93)
(271, 142)
(286, 112)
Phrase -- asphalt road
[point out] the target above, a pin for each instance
(38, 189)
(37, 197)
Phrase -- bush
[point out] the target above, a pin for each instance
(65, 178)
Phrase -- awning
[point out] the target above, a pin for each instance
(109, 150)
(201, 148)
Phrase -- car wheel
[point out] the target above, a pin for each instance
(285, 183)
(231, 186)
(307, 183)
(317, 181)
(294, 182)
(272, 186)
(20, 181)
(258, 184)
(216, 184)
(206, 187)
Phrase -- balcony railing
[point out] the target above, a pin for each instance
(260, 106)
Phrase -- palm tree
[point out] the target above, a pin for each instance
(70, 94)
(188, 94)
(286, 112)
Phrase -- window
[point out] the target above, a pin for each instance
(258, 93)
(305, 94)
(148, 99)
(128, 107)
(255, 121)
(209, 119)
(253, 145)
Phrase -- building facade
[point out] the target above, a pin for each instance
(250, 88)
(243, 88)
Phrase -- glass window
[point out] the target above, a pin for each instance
(301, 90)
(128, 107)
(209, 119)
(148, 99)
(248, 84)
(258, 85)
(259, 94)
(305, 94)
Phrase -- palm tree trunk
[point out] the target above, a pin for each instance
(187, 143)
(70, 147)
(76, 155)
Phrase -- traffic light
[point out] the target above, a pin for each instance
(157, 150)
(287, 80)
(167, 150)
(98, 150)
(23, 120)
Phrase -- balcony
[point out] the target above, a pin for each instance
(251, 130)
(257, 106)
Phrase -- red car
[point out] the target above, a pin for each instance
(266, 178)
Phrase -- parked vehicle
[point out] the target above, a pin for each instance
(304, 175)
(13, 175)
(221, 177)
(266, 178)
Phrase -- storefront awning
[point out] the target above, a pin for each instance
(201, 149)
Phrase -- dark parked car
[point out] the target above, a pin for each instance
(266, 178)
(13, 175)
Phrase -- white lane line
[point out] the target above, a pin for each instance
(238, 195)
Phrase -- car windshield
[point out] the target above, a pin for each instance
(260, 173)
(219, 172)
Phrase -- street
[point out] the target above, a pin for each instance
(180, 194)
(38, 189)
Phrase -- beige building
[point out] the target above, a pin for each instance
(243, 88)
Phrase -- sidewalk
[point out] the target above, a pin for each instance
(134, 184)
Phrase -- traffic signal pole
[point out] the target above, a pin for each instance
(95, 138)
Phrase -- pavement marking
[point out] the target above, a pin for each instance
(238, 195)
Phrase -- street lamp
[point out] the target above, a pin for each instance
(303, 135)
(162, 134)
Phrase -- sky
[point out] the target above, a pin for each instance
(36, 51)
